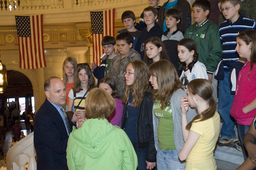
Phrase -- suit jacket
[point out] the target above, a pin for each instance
(50, 138)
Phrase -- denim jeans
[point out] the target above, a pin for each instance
(168, 160)
(242, 129)
(225, 104)
(142, 156)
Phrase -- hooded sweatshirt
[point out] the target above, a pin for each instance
(100, 145)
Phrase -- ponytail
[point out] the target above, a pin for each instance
(208, 113)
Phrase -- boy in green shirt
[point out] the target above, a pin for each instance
(206, 35)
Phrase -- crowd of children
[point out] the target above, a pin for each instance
(160, 87)
(180, 58)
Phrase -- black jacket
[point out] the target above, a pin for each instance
(145, 133)
(155, 31)
(50, 138)
(98, 72)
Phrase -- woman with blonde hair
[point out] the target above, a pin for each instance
(137, 114)
(97, 144)
(168, 91)
(68, 68)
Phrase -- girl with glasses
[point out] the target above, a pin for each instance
(137, 114)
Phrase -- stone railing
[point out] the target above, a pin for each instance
(65, 11)
(22, 153)
(21, 5)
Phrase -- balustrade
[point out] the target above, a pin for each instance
(21, 5)
(22, 153)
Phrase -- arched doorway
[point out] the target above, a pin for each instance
(19, 91)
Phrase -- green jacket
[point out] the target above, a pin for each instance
(208, 43)
(248, 9)
(100, 145)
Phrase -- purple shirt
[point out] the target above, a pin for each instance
(116, 117)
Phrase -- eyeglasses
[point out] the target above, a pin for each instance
(128, 73)
(226, 9)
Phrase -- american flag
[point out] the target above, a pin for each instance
(102, 23)
(30, 38)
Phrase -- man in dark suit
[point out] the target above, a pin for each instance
(52, 128)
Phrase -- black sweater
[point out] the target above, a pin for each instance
(145, 133)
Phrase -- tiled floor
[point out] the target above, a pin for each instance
(223, 165)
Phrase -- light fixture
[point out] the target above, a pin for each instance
(3, 76)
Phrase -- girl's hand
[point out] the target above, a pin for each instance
(150, 165)
(245, 110)
(251, 106)
(80, 122)
(184, 105)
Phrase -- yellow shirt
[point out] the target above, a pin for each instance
(201, 155)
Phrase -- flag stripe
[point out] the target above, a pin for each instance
(108, 26)
(31, 47)
(34, 40)
(40, 60)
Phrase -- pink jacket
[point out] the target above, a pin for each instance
(245, 94)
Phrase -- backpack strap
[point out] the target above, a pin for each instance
(74, 93)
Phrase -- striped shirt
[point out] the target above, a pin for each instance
(228, 33)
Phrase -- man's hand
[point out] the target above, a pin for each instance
(210, 77)
(78, 115)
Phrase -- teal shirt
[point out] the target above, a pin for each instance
(165, 126)
(169, 5)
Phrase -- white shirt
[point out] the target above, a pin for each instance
(198, 71)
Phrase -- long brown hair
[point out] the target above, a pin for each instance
(158, 43)
(249, 36)
(72, 60)
(190, 44)
(112, 85)
(167, 79)
(140, 84)
(77, 82)
(204, 89)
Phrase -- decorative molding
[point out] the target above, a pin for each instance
(63, 36)
(85, 34)
(46, 37)
(9, 38)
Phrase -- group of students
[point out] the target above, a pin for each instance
(151, 118)
(162, 129)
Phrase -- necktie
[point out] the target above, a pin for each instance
(66, 119)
